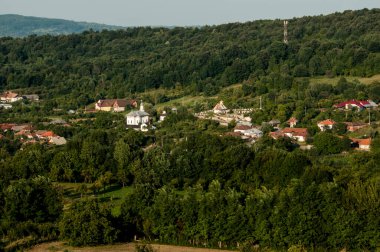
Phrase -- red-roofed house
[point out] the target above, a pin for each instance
(242, 128)
(299, 134)
(48, 134)
(44, 134)
(326, 124)
(116, 105)
(354, 126)
(356, 104)
(362, 144)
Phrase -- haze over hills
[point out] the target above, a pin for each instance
(21, 26)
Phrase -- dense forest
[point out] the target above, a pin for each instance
(117, 63)
(188, 182)
(21, 26)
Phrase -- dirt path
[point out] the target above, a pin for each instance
(125, 247)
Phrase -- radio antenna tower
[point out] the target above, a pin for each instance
(286, 31)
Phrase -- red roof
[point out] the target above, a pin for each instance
(296, 131)
(132, 103)
(48, 134)
(366, 141)
(327, 122)
(360, 104)
(112, 102)
(7, 126)
(242, 127)
(9, 95)
(355, 124)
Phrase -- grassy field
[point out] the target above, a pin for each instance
(183, 101)
(113, 194)
(334, 80)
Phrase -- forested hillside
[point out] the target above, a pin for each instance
(115, 63)
(22, 26)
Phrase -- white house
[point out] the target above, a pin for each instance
(138, 120)
(10, 97)
(326, 124)
(362, 144)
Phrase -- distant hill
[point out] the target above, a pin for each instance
(205, 59)
(22, 26)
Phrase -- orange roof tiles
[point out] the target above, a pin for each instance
(295, 131)
(366, 141)
(48, 134)
(327, 122)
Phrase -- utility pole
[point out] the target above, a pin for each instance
(261, 103)
(286, 31)
(369, 116)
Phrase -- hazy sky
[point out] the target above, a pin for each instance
(177, 12)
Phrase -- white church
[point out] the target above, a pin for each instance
(138, 120)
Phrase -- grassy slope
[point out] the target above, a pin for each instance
(113, 194)
(334, 80)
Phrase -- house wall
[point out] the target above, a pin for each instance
(325, 127)
(119, 109)
(108, 109)
(364, 147)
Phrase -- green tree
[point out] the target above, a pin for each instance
(123, 157)
(33, 199)
(88, 223)
(327, 143)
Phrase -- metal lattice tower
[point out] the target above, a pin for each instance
(286, 31)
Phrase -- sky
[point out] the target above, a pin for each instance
(177, 12)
